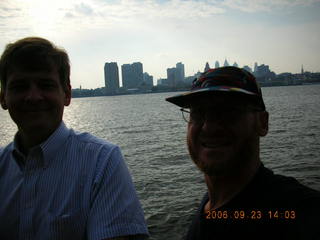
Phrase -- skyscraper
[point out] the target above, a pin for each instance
(225, 64)
(126, 76)
(148, 79)
(111, 77)
(207, 67)
(137, 73)
(171, 76)
(255, 67)
(175, 75)
(217, 64)
(132, 75)
(180, 72)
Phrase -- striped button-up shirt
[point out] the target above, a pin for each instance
(72, 186)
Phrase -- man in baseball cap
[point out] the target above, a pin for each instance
(226, 117)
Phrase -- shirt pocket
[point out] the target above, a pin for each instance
(68, 226)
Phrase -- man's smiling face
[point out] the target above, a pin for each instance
(223, 133)
(35, 99)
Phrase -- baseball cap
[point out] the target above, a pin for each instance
(231, 80)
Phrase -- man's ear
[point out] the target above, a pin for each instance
(263, 123)
(67, 92)
(3, 101)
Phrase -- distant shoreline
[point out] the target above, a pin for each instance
(171, 90)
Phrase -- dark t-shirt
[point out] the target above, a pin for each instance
(270, 207)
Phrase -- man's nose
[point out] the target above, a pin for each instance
(33, 93)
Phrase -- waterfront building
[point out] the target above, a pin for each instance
(225, 64)
(207, 67)
(176, 75)
(180, 75)
(235, 64)
(246, 67)
(171, 77)
(111, 77)
(132, 75)
(217, 64)
(137, 73)
(127, 76)
(189, 80)
(255, 67)
(163, 82)
(148, 79)
(264, 75)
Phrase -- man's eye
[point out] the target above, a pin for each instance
(17, 87)
(47, 85)
(196, 115)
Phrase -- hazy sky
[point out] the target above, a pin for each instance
(283, 34)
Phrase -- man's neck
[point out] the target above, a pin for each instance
(29, 140)
(223, 188)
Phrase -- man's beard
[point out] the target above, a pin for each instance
(237, 160)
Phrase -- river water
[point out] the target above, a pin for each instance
(152, 136)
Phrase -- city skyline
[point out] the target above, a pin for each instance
(173, 74)
(160, 33)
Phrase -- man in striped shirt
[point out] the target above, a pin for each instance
(56, 183)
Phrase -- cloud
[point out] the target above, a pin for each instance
(265, 5)
(9, 12)
(160, 33)
(124, 10)
(69, 15)
(84, 9)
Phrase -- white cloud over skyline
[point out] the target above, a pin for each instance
(280, 33)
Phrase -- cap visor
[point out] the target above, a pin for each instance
(185, 99)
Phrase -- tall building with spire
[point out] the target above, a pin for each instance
(111, 77)
(217, 64)
(207, 67)
(255, 69)
(225, 64)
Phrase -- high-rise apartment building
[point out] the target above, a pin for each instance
(111, 77)
(127, 76)
(180, 72)
(137, 73)
(176, 75)
(132, 75)
(171, 76)
(148, 79)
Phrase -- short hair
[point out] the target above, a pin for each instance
(32, 54)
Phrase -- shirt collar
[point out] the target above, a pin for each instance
(49, 148)
(52, 145)
(18, 156)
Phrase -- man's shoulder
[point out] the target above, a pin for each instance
(6, 149)
(5, 153)
(286, 187)
(89, 140)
